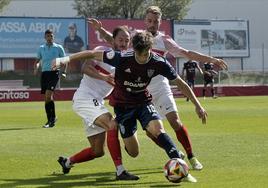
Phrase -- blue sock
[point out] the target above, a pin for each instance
(168, 145)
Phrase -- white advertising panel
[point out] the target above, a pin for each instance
(218, 38)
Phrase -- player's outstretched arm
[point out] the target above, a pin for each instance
(87, 54)
(91, 71)
(97, 25)
(178, 51)
(187, 91)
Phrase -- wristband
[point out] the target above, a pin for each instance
(63, 60)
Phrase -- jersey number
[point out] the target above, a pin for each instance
(151, 108)
(96, 103)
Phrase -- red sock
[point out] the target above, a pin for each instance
(184, 139)
(114, 146)
(83, 156)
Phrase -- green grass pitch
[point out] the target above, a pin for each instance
(233, 147)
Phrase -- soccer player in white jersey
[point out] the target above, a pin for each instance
(162, 94)
(88, 103)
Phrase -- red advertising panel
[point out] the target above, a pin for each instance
(94, 38)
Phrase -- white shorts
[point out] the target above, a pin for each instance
(164, 104)
(89, 110)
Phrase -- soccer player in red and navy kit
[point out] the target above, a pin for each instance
(189, 68)
(209, 79)
(130, 98)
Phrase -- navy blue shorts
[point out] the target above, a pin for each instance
(127, 118)
(208, 80)
(190, 83)
(49, 80)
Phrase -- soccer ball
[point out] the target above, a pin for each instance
(175, 170)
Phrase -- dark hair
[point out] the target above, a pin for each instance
(123, 28)
(48, 31)
(142, 41)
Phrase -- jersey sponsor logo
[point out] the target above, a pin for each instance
(131, 84)
(110, 55)
(150, 72)
(14, 95)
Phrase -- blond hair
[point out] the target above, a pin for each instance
(154, 10)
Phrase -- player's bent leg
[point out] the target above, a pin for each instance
(132, 145)
(181, 132)
(97, 144)
(184, 138)
(156, 128)
(115, 151)
(154, 139)
(87, 154)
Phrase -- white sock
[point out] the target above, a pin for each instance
(68, 163)
(119, 169)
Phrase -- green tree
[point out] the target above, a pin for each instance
(3, 3)
(174, 9)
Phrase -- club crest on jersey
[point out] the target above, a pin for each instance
(138, 79)
(110, 55)
(150, 72)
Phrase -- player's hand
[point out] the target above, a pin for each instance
(95, 23)
(220, 63)
(53, 64)
(36, 67)
(202, 114)
(109, 78)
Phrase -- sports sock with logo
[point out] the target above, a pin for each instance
(168, 145)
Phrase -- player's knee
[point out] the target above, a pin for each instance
(132, 152)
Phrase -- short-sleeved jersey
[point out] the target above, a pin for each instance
(208, 66)
(46, 53)
(73, 45)
(132, 78)
(190, 67)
